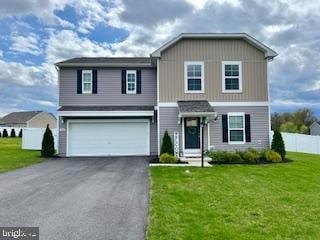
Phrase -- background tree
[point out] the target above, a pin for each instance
(5, 133)
(277, 144)
(13, 133)
(47, 149)
(166, 146)
(289, 127)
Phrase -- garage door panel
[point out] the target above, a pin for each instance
(108, 138)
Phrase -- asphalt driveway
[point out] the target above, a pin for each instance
(79, 198)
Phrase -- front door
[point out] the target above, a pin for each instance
(192, 133)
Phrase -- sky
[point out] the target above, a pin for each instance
(35, 34)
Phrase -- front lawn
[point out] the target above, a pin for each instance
(273, 201)
(12, 156)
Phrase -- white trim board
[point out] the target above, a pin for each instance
(105, 113)
(223, 104)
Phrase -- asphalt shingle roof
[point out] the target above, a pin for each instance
(18, 117)
(194, 106)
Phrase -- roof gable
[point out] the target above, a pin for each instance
(18, 117)
(269, 53)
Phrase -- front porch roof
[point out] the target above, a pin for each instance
(195, 108)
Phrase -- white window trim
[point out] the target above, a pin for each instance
(236, 114)
(85, 72)
(135, 82)
(186, 76)
(224, 90)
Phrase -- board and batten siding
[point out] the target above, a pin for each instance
(109, 89)
(259, 121)
(212, 53)
(63, 138)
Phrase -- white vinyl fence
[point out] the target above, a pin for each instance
(295, 142)
(32, 138)
(9, 129)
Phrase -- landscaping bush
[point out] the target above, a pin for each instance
(272, 156)
(166, 146)
(13, 133)
(251, 156)
(47, 149)
(0, 133)
(20, 133)
(167, 158)
(277, 144)
(225, 157)
(5, 133)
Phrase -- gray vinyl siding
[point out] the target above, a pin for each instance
(109, 89)
(315, 129)
(168, 118)
(259, 119)
(169, 121)
(63, 138)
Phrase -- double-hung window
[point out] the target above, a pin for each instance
(236, 128)
(86, 81)
(231, 77)
(131, 81)
(194, 77)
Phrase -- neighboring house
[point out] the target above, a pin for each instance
(31, 119)
(315, 128)
(123, 106)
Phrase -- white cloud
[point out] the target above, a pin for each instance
(26, 44)
(1, 53)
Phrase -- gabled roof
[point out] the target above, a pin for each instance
(106, 62)
(269, 53)
(18, 117)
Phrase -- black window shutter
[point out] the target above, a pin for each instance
(248, 128)
(94, 81)
(138, 81)
(224, 128)
(123, 82)
(79, 81)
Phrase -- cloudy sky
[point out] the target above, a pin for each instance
(34, 34)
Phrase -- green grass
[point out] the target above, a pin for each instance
(272, 201)
(12, 156)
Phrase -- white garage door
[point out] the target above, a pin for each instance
(112, 138)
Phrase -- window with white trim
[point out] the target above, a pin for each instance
(231, 76)
(86, 81)
(131, 81)
(236, 128)
(194, 77)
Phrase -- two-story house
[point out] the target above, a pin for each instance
(123, 106)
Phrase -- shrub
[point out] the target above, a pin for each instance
(13, 133)
(166, 146)
(251, 156)
(272, 156)
(0, 133)
(225, 157)
(234, 157)
(167, 158)
(5, 133)
(20, 133)
(47, 149)
(278, 144)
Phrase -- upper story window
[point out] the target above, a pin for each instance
(131, 77)
(194, 77)
(231, 77)
(236, 128)
(86, 81)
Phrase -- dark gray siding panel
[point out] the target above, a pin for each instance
(109, 89)
(153, 139)
(259, 128)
